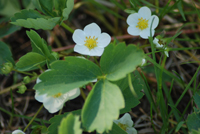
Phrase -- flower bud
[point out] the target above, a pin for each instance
(22, 89)
(26, 79)
(7, 68)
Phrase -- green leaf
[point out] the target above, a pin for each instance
(66, 75)
(197, 99)
(30, 61)
(180, 8)
(9, 7)
(70, 125)
(5, 55)
(47, 5)
(33, 19)
(193, 121)
(119, 60)
(130, 100)
(102, 106)
(66, 11)
(60, 5)
(56, 120)
(38, 44)
(8, 29)
(115, 130)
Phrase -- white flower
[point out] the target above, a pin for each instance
(140, 23)
(158, 43)
(18, 132)
(55, 103)
(90, 41)
(126, 124)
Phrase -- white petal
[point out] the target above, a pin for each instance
(126, 119)
(155, 21)
(146, 33)
(18, 132)
(132, 19)
(133, 31)
(144, 12)
(73, 94)
(92, 30)
(38, 80)
(53, 104)
(97, 51)
(103, 40)
(81, 49)
(78, 36)
(131, 130)
(38, 97)
(166, 52)
(143, 62)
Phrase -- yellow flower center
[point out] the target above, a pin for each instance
(57, 95)
(142, 23)
(91, 43)
(122, 126)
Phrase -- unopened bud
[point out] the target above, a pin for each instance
(22, 89)
(7, 68)
(26, 79)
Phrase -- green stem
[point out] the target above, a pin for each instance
(33, 117)
(83, 94)
(22, 72)
(131, 86)
(67, 27)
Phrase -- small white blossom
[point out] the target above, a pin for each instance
(55, 103)
(90, 41)
(140, 23)
(18, 132)
(158, 43)
(126, 124)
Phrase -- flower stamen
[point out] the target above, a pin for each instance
(57, 95)
(142, 23)
(91, 43)
(122, 126)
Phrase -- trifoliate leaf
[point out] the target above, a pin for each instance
(47, 6)
(70, 125)
(56, 120)
(117, 61)
(60, 5)
(33, 19)
(102, 106)
(30, 61)
(64, 76)
(5, 55)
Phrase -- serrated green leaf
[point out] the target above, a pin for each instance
(5, 55)
(55, 121)
(39, 23)
(30, 61)
(193, 121)
(117, 61)
(38, 44)
(130, 100)
(115, 130)
(66, 11)
(66, 75)
(102, 106)
(70, 125)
